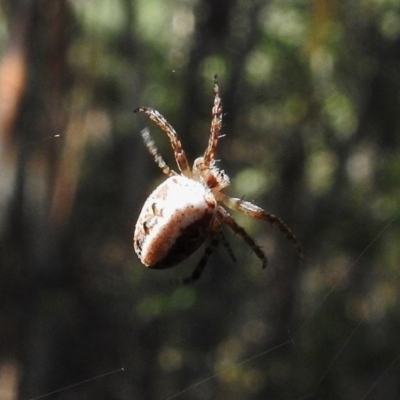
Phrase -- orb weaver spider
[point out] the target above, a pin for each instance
(187, 207)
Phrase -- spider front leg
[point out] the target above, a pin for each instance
(226, 218)
(257, 212)
(180, 155)
(216, 124)
(151, 146)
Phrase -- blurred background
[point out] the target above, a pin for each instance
(311, 94)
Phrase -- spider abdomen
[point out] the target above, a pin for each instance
(174, 222)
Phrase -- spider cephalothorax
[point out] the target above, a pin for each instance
(187, 207)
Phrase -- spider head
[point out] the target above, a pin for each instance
(213, 177)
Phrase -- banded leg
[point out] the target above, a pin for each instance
(180, 155)
(228, 220)
(151, 146)
(257, 212)
(216, 124)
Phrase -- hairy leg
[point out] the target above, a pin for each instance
(216, 124)
(257, 212)
(151, 146)
(180, 155)
(226, 218)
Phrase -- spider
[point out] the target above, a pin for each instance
(187, 207)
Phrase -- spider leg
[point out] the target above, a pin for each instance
(215, 238)
(228, 220)
(227, 246)
(257, 212)
(216, 124)
(151, 146)
(180, 155)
